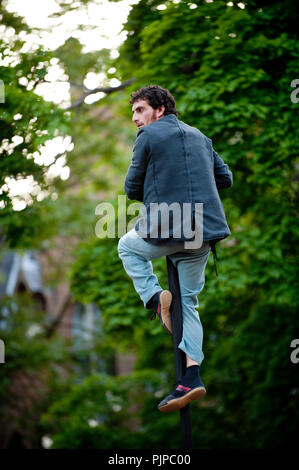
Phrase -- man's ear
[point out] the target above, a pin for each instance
(161, 111)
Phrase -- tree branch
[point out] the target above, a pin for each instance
(108, 91)
(54, 323)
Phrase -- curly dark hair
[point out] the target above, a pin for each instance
(155, 96)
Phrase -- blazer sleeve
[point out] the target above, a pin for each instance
(223, 175)
(137, 170)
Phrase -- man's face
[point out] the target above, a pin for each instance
(144, 114)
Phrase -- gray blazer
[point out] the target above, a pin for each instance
(174, 162)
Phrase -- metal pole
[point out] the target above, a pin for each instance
(179, 356)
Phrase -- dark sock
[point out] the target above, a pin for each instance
(191, 377)
(192, 372)
(153, 303)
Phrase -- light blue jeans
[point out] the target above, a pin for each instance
(136, 255)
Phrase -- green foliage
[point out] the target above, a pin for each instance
(23, 332)
(230, 71)
(27, 121)
(104, 412)
(77, 64)
(35, 371)
(93, 279)
(100, 399)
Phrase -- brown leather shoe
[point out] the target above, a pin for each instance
(163, 310)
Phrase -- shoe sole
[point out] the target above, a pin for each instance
(178, 403)
(165, 301)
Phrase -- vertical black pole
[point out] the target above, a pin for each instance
(179, 356)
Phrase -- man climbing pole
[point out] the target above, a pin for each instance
(173, 163)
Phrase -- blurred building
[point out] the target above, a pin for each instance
(26, 273)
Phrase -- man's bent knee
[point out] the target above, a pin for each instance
(125, 241)
(122, 246)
